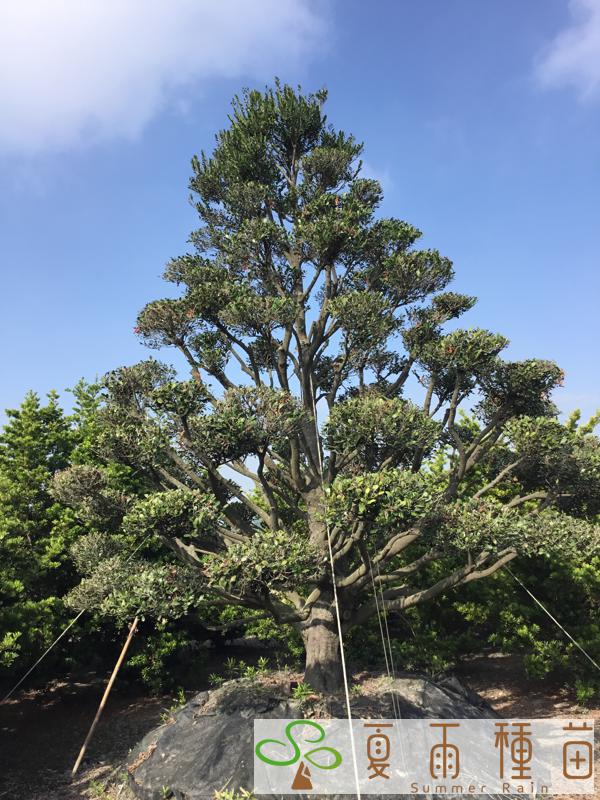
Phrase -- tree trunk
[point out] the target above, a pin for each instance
(322, 643)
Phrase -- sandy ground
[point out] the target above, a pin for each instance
(41, 731)
(499, 679)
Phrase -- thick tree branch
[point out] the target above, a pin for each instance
(498, 479)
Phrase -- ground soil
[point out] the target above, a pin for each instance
(41, 731)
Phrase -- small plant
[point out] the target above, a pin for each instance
(231, 666)
(302, 691)
(97, 789)
(235, 668)
(178, 701)
(251, 673)
(216, 680)
(585, 692)
(263, 665)
(241, 794)
(166, 792)
(356, 690)
(155, 660)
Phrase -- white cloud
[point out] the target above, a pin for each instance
(74, 72)
(573, 58)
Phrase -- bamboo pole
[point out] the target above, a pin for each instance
(109, 686)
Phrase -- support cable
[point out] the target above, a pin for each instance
(386, 645)
(390, 655)
(335, 595)
(553, 618)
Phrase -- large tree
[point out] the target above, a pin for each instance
(299, 295)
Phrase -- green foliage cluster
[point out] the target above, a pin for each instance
(61, 509)
(488, 523)
(270, 560)
(157, 659)
(498, 613)
(246, 421)
(379, 432)
(385, 499)
(122, 588)
(173, 513)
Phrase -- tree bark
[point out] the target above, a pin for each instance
(323, 669)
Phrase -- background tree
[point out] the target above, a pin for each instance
(39, 535)
(136, 567)
(497, 613)
(298, 295)
(35, 531)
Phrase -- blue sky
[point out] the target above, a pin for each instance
(482, 120)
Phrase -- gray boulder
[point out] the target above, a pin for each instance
(208, 744)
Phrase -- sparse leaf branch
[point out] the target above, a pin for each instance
(253, 372)
(273, 509)
(397, 385)
(395, 545)
(520, 500)
(401, 598)
(504, 473)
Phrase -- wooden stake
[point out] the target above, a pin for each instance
(105, 695)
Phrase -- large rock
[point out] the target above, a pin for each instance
(208, 745)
